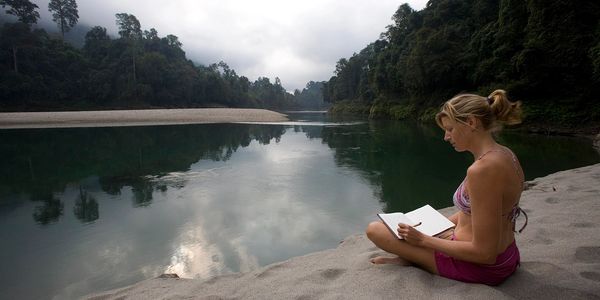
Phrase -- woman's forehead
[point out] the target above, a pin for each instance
(447, 121)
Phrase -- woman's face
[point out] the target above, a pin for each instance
(455, 133)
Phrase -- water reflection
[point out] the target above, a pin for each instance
(410, 162)
(86, 207)
(49, 211)
(42, 162)
(413, 165)
(205, 200)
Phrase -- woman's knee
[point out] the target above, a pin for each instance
(374, 229)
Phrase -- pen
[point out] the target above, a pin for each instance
(417, 224)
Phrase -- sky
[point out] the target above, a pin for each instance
(297, 41)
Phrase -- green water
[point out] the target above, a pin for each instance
(88, 209)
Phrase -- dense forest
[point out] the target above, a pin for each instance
(139, 69)
(544, 53)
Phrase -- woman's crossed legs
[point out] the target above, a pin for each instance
(408, 254)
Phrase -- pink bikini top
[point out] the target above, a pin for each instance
(461, 198)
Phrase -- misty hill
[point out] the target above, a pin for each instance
(138, 69)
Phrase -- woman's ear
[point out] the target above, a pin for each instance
(472, 122)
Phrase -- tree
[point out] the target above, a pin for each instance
(97, 33)
(64, 13)
(24, 10)
(311, 97)
(130, 30)
(96, 43)
(398, 31)
(16, 36)
(173, 41)
(151, 35)
(129, 26)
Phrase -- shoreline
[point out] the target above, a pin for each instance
(179, 116)
(560, 258)
(143, 117)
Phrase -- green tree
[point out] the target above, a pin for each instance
(16, 36)
(64, 13)
(130, 31)
(129, 26)
(151, 34)
(24, 10)
(97, 49)
(96, 42)
(311, 97)
(403, 24)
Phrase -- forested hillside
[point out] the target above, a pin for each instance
(544, 53)
(139, 69)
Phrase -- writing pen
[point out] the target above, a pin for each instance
(412, 225)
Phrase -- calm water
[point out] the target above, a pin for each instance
(88, 209)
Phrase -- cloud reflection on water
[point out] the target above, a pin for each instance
(265, 204)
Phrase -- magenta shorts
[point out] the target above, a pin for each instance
(506, 264)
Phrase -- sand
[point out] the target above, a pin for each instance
(560, 259)
(136, 117)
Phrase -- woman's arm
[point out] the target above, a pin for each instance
(484, 185)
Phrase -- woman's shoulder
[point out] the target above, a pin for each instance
(492, 164)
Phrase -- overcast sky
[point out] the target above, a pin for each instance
(297, 41)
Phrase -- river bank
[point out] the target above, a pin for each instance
(560, 258)
(143, 117)
(565, 121)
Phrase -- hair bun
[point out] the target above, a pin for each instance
(505, 111)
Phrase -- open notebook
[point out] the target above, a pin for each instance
(431, 221)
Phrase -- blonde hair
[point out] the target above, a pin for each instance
(493, 112)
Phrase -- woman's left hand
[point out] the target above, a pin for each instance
(410, 234)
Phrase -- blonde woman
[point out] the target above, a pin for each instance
(482, 248)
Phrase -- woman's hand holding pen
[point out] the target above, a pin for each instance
(410, 234)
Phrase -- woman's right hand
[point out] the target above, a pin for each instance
(411, 235)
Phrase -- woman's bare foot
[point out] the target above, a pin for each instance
(380, 260)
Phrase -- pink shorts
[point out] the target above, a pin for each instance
(506, 264)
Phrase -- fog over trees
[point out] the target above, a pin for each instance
(139, 69)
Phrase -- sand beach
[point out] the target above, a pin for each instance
(136, 117)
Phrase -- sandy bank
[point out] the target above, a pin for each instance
(560, 252)
(136, 117)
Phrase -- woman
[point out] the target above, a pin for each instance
(482, 248)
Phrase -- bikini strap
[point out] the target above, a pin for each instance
(512, 156)
(517, 212)
(484, 154)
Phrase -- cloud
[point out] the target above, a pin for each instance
(297, 41)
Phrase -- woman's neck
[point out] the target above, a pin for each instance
(483, 144)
